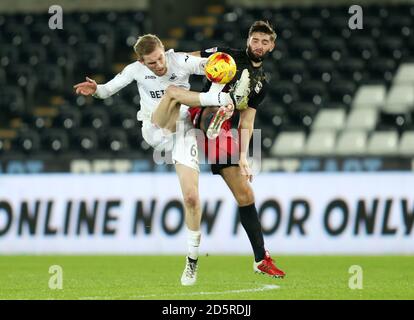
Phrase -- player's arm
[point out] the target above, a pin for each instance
(246, 126)
(195, 53)
(103, 91)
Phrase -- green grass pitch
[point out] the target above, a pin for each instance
(219, 277)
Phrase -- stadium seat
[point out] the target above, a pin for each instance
(292, 70)
(338, 25)
(382, 68)
(372, 25)
(369, 96)
(273, 113)
(91, 58)
(353, 69)
(69, 117)
(289, 144)
(302, 114)
(351, 143)
(362, 47)
(185, 45)
(64, 56)
(102, 33)
(72, 34)
(9, 55)
(95, 117)
(342, 91)
(115, 140)
(123, 116)
(383, 143)
(400, 97)
(126, 33)
(85, 140)
(320, 143)
(50, 78)
(322, 69)
(281, 50)
(332, 47)
(228, 32)
(12, 101)
(27, 141)
(33, 54)
(303, 47)
(41, 33)
(329, 120)
(404, 74)
(313, 91)
(394, 120)
(16, 34)
(55, 140)
(311, 25)
(3, 77)
(283, 92)
(391, 47)
(268, 135)
(398, 25)
(406, 146)
(285, 27)
(362, 119)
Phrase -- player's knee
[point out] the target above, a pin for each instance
(191, 199)
(245, 196)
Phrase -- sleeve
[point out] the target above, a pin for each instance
(120, 81)
(194, 65)
(257, 98)
(208, 52)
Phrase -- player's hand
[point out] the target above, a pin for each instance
(245, 168)
(86, 88)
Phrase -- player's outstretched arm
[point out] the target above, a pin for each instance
(103, 91)
(86, 88)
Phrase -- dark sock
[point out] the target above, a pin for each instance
(250, 222)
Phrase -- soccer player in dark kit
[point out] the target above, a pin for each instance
(237, 174)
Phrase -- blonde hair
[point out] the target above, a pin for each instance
(146, 44)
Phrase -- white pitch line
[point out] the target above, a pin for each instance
(265, 287)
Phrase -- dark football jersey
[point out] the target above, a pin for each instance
(258, 83)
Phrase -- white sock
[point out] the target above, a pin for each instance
(193, 241)
(214, 97)
(208, 99)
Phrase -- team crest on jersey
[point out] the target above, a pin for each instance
(173, 77)
(258, 87)
(212, 50)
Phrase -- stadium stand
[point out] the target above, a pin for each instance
(333, 91)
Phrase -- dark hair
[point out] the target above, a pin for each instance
(264, 27)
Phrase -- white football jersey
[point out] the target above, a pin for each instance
(150, 86)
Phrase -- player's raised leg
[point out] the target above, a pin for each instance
(243, 193)
(188, 178)
(167, 113)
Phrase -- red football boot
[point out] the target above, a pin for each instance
(268, 267)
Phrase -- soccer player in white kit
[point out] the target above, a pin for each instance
(154, 71)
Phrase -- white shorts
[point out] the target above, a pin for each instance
(182, 144)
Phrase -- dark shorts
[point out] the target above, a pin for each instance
(220, 150)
